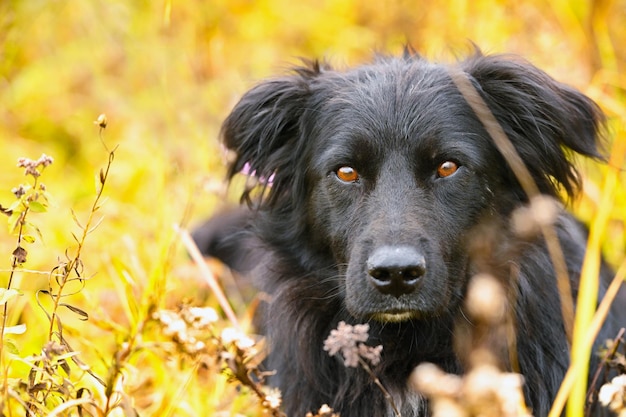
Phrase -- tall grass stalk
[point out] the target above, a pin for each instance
(588, 290)
(573, 373)
(74, 263)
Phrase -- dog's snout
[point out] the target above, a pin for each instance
(396, 270)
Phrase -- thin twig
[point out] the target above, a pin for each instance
(75, 261)
(379, 384)
(207, 274)
(607, 356)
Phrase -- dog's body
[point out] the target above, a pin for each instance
(382, 179)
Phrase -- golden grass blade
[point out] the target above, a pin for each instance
(592, 331)
(206, 273)
(588, 290)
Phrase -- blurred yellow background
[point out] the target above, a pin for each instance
(166, 73)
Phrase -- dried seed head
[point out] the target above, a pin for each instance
(272, 399)
(434, 382)
(240, 339)
(20, 255)
(491, 393)
(324, 411)
(52, 349)
(200, 317)
(542, 211)
(18, 192)
(101, 121)
(613, 395)
(486, 300)
(31, 167)
(229, 156)
(349, 340)
(44, 160)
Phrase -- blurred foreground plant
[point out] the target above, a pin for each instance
(485, 390)
(194, 334)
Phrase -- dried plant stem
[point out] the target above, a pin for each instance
(379, 384)
(250, 383)
(74, 262)
(115, 372)
(206, 273)
(14, 265)
(506, 148)
(607, 356)
(5, 310)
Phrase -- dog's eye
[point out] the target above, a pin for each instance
(446, 169)
(347, 174)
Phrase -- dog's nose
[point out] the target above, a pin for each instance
(396, 270)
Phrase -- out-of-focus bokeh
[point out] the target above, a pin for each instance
(166, 73)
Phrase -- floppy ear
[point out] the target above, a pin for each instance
(544, 119)
(264, 130)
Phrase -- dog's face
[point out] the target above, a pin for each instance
(388, 170)
(400, 171)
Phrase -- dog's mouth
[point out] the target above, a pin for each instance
(395, 315)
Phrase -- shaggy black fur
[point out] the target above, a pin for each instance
(391, 245)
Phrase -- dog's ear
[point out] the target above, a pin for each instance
(264, 130)
(544, 119)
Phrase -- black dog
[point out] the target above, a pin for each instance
(381, 178)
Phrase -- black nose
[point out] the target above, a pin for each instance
(396, 270)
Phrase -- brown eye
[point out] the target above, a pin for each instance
(347, 174)
(446, 169)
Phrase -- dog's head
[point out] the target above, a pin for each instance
(385, 168)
